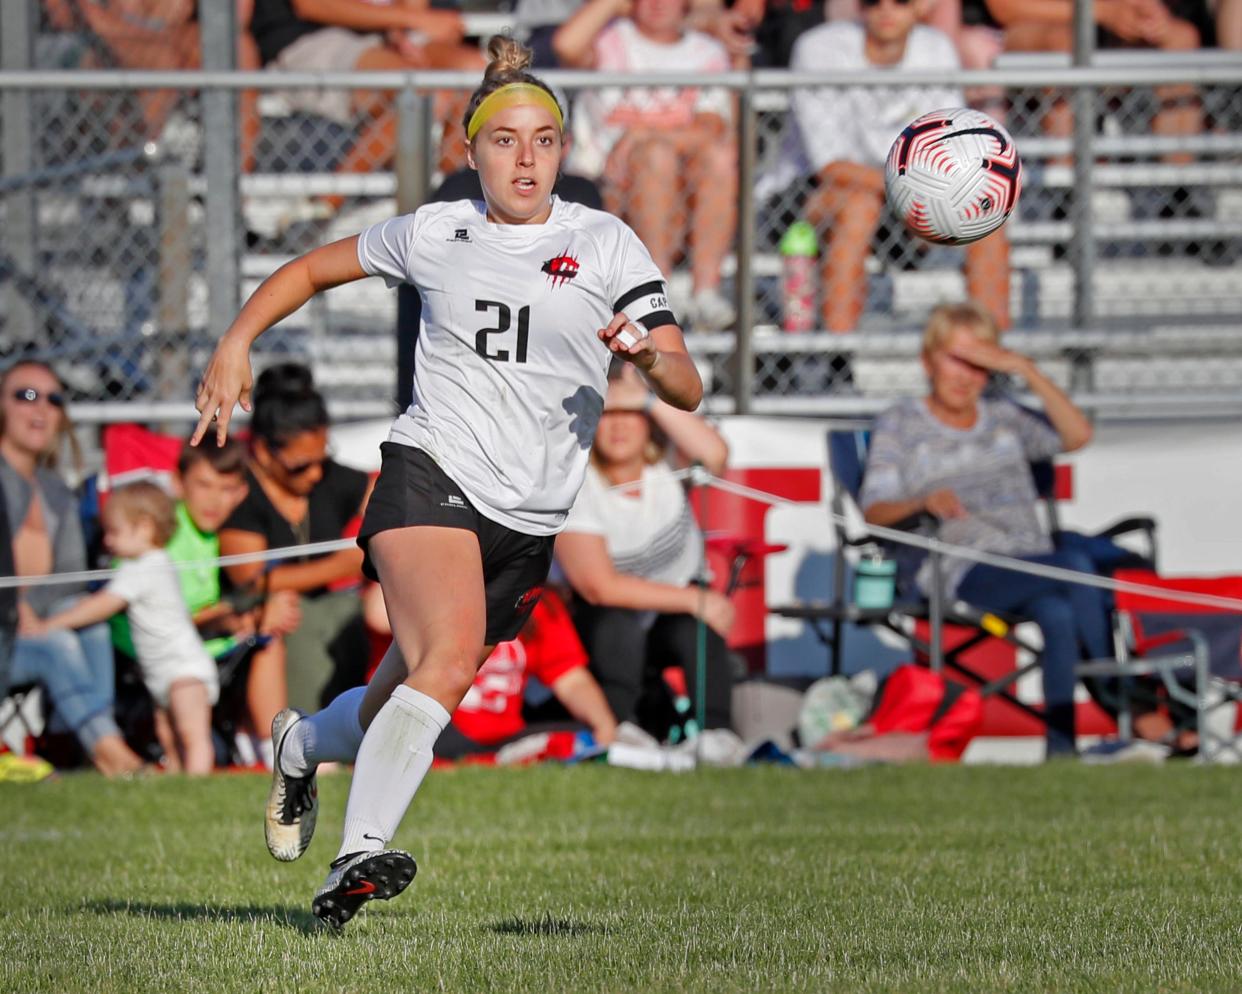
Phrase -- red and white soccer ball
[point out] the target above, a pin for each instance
(953, 176)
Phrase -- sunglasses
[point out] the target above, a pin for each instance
(29, 395)
(876, 3)
(298, 468)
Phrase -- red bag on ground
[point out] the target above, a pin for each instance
(915, 699)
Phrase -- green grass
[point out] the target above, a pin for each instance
(1060, 878)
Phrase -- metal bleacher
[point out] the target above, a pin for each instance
(1166, 328)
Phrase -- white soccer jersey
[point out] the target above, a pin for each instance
(509, 375)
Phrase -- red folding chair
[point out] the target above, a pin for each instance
(1181, 656)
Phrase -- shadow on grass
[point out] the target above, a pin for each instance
(301, 921)
(547, 925)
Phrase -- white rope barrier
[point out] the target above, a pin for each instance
(263, 555)
(699, 477)
(993, 559)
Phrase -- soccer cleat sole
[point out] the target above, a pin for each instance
(287, 842)
(375, 878)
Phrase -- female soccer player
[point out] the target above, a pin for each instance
(479, 473)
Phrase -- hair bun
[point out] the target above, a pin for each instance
(507, 57)
(284, 378)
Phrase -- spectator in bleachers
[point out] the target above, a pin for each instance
(962, 460)
(161, 34)
(1167, 25)
(75, 669)
(978, 36)
(1228, 14)
(180, 676)
(344, 35)
(631, 551)
(297, 495)
(669, 157)
(732, 23)
(211, 481)
(845, 137)
(490, 715)
(781, 23)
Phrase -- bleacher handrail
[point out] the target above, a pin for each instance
(1147, 74)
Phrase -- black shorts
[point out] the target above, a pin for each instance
(413, 490)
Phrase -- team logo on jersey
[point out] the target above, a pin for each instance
(459, 235)
(560, 268)
(528, 599)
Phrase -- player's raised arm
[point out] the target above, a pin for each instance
(228, 378)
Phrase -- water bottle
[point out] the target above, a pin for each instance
(798, 248)
(875, 581)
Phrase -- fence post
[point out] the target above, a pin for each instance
(743, 349)
(220, 162)
(413, 172)
(1083, 245)
(172, 315)
(413, 161)
(16, 32)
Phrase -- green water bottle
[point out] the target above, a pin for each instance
(799, 246)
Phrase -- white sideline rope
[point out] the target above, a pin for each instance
(992, 559)
(263, 555)
(698, 476)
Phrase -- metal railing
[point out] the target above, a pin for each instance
(1153, 266)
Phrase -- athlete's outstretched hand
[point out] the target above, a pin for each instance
(226, 381)
(629, 341)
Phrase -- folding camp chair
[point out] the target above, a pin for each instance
(1183, 657)
(921, 622)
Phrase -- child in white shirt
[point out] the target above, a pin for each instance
(181, 677)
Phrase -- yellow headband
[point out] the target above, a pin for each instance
(512, 95)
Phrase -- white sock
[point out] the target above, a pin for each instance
(263, 747)
(331, 735)
(243, 744)
(394, 757)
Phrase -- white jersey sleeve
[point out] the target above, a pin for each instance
(386, 249)
(636, 284)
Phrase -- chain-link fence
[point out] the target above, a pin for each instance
(107, 197)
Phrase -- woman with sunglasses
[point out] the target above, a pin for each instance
(75, 668)
(299, 495)
(525, 299)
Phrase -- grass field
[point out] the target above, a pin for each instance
(1060, 878)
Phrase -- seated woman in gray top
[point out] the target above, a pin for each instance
(964, 459)
(75, 668)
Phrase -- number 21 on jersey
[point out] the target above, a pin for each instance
(504, 319)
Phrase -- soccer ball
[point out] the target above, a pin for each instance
(953, 176)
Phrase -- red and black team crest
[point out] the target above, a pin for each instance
(560, 268)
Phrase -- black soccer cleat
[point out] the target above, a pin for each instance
(360, 877)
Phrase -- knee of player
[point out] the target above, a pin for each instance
(451, 670)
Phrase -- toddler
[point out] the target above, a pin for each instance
(181, 677)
